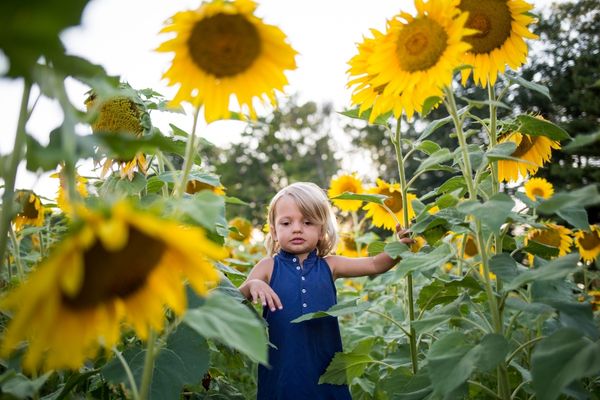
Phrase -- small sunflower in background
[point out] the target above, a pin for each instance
(244, 229)
(419, 243)
(342, 184)
(467, 248)
(30, 209)
(117, 265)
(594, 299)
(394, 202)
(502, 27)
(552, 235)
(121, 115)
(538, 187)
(535, 151)
(416, 56)
(222, 50)
(588, 243)
(62, 197)
(348, 247)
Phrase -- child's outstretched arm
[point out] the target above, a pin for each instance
(256, 287)
(347, 267)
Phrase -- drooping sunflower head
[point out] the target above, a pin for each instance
(195, 186)
(244, 229)
(538, 187)
(466, 245)
(416, 57)
(588, 243)
(394, 203)
(62, 198)
(222, 50)
(345, 183)
(122, 115)
(502, 26)
(118, 265)
(551, 235)
(30, 209)
(535, 151)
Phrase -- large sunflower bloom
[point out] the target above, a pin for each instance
(534, 150)
(538, 187)
(588, 243)
(416, 57)
(31, 209)
(394, 202)
(502, 28)
(120, 115)
(552, 235)
(120, 268)
(342, 184)
(222, 49)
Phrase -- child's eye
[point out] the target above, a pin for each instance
(307, 223)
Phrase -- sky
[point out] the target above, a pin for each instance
(122, 35)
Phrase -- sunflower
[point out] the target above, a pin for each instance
(552, 235)
(342, 184)
(195, 186)
(117, 266)
(381, 217)
(594, 299)
(124, 116)
(501, 27)
(416, 57)
(538, 187)
(244, 229)
(348, 247)
(588, 243)
(30, 211)
(222, 49)
(535, 151)
(62, 198)
(419, 243)
(466, 248)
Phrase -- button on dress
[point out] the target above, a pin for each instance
(302, 350)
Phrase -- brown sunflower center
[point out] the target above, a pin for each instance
(224, 45)
(420, 44)
(195, 186)
(470, 247)
(549, 237)
(527, 142)
(110, 274)
(589, 241)
(538, 191)
(349, 242)
(492, 18)
(30, 210)
(118, 115)
(393, 201)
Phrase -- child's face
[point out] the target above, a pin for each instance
(293, 231)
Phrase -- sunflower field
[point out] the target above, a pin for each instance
(124, 285)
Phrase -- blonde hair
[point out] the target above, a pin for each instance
(314, 205)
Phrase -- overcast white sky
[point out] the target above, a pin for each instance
(121, 35)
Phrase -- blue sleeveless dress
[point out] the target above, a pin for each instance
(302, 350)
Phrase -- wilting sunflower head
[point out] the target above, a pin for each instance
(416, 57)
(501, 26)
(222, 50)
(394, 203)
(62, 198)
(551, 235)
(538, 187)
(466, 245)
(31, 210)
(120, 115)
(588, 243)
(244, 229)
(345, 183)
(535, 151)
(118, 265)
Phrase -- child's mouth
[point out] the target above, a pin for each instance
(297, 241)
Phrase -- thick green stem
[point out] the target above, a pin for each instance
(148, 366)
(190, 150)
(128, 372)
(17, 254)
(406, 222)
(11, 172)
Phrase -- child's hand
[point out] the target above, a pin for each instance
(260, 290)
(403, 235)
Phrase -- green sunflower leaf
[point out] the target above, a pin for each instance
(583, 197)
(543, 90)
(345, 308)
(346, 366)
(380, 120)
(554, 269)
(369, 198)
(539, 127)
(581, 141)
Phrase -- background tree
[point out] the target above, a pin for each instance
(293, 144)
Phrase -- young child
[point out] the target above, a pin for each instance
(298, 278)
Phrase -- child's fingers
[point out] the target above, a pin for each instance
(270, 304)
(276, 301)
(262, 297)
